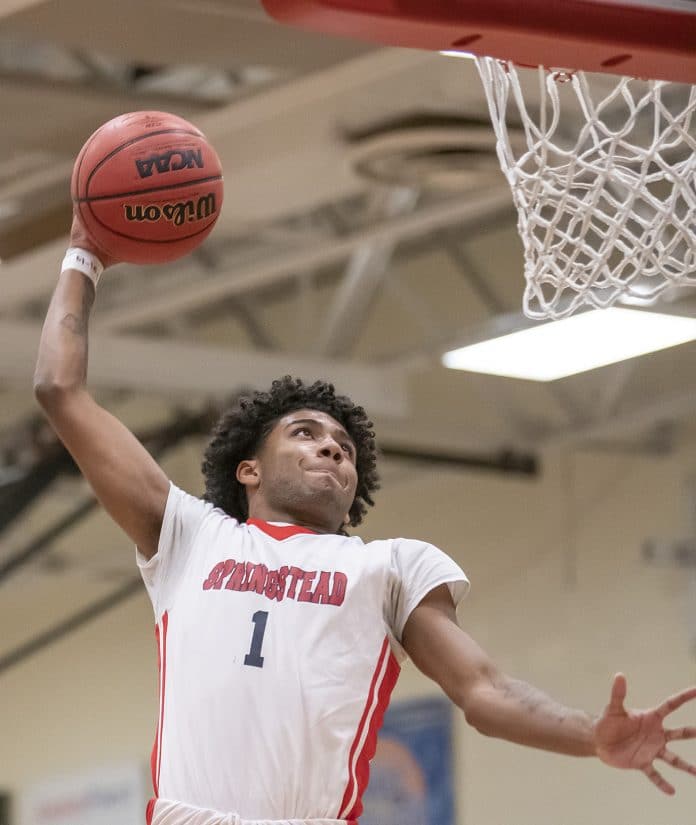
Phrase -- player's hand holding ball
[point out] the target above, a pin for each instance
(81, 239)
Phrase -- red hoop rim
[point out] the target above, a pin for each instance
(588, 35)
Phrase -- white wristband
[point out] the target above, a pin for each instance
(83, 261)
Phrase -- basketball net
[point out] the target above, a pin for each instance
(609, 213)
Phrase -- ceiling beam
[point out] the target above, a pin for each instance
(629, 423)
(47, 223)
(186, 371)
(326, 86)
(22, 89)
(133, 587)
(8, 7)
(365, 272)
(32, 274)
(465, 212)
(224, 33)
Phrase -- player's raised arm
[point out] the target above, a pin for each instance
(125, 478)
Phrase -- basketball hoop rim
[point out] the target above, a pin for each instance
(600, 36)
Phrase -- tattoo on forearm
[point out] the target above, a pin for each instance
(77, 324)
(533, 699)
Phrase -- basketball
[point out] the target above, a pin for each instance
(148, 187)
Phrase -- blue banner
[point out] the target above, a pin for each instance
(411, 776)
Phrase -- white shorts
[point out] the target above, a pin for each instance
(168, 812)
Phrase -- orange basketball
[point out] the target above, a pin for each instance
(148, 187)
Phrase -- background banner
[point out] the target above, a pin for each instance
(411, 776)
(108, 796)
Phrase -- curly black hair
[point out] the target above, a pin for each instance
(241, 430)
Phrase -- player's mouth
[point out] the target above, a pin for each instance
(325, 471)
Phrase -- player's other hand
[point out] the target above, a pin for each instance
(637, 738)
(81, 238)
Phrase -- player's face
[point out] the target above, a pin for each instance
(307, 471)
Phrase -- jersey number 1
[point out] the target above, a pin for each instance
(254, 657)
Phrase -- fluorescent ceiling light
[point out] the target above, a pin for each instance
(584, 342)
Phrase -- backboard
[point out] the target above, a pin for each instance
(653, 39)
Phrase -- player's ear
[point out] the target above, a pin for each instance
(248, 472)
(346, 518)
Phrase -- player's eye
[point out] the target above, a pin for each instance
(302, 431)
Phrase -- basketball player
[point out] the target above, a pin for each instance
(280, 636)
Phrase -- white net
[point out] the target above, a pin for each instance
(608, 212)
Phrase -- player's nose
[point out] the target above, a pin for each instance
(331, 449)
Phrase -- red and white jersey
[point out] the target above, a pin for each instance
(278, 652)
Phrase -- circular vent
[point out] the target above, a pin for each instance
(428, 156)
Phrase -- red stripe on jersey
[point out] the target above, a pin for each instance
(156, 756)
(363, 766)
(165, 626)
(155, 746)
(365, 742)
(150, 811)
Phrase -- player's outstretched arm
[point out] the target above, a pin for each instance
(498, 705)
(124, 476)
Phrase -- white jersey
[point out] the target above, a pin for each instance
(278, 652)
